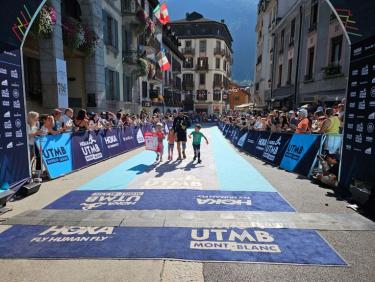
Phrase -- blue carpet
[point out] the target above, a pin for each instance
(244, 245)
(119, 177)
(234, 172)
(172, 200)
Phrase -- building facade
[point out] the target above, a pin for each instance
(114, 67)
(207, 69)
(238, 95)
(309, 56)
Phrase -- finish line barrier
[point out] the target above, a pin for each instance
(293, 152)
(68, 152)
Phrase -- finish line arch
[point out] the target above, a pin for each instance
(356, 19)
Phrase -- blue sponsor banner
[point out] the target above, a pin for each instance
(242, 138)
(291, 246)
(87, 148)
(172, 200)
(301, 153)
(276, 147)
(112, 144)
(56, 153)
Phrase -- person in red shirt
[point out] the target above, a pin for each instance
(161, 136)
(304, 123)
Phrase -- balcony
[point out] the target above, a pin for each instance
(219, 51)
(150, 44)
(188, 51)
(130, 57)
(332, 71)
(218, 84)
(188, 85)
(133, 13)
(201, 95)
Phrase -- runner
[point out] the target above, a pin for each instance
(180, 125)
(161, 136)
(171, 140)
(197, 139)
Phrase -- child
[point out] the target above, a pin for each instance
(197, 139)
(161, 136)
(171, 139)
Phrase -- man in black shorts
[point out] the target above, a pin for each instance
(180, 124)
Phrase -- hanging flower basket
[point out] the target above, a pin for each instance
(73, 33)
(150, 27)
(91, 42)
(47, 21)
(142, 67)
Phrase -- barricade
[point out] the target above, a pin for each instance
(68, 152)
(292, 152)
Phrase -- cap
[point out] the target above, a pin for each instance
(291, 112)
(57, 111)
(159, 124)
(303, 112)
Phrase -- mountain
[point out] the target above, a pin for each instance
(240, 17)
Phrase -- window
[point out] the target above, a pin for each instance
(218, 44)
(189, 63)
(127, 88)
(188, 43)
(202, 63)
(110, 31)
(290, 67)
(218, 80)
(218, 63)
(310, 63)
(144, 89)
(292, 32)
(280, 75)
(224, 65)
(202, 46)
(126, 39)
(112, 85)
(202, 78)
(313, 14)
(282, 40)
(336, 48)
(188, 81)
(217, 95)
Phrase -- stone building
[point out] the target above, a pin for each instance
(238, 95)
(207, 47)
(309, 56)
(103, 75)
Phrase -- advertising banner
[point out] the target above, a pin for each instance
(127, 138)
(56, 152)
(151, 141)
(235, 133)
(229, 131)
(112, 144)
(87, 148)
(62, 84)
(242, 138)
(276, 147)
(251, 141)
(301, 153)
(358, 155)
(138, 136)
(14, 160)
(261, 143)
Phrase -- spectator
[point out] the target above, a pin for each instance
(81, 121)
(304, 123)
(318, 122)
(330, 170)
(32, 131)
(331, 124)
(48, 126)
(293, 121)
(67, 119)
(57, 114)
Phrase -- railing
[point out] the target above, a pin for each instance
(188, 51)
(219, 51)
(188, 85)
(150, 41)
(202, 67)
(130, 57)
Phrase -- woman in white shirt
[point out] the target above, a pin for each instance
(32, 130)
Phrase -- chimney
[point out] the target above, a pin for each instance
(187, 15)
(222, 21)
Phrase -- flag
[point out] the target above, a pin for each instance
(161, 13)
(163, 61)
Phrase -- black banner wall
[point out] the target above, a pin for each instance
(16, 17)
(251, 140)
(358, 155)
(276, 147)
(261, 143)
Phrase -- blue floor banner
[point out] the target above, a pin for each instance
(276, 147)
(172, 200)
(197, 244)
(301, 153)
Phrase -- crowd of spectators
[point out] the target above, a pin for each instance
(307, 119)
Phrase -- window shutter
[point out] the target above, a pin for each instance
(117, 86)
(107, 90)
(105, 27)
(116, 34)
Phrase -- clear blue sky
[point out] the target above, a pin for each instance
(239, 15)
